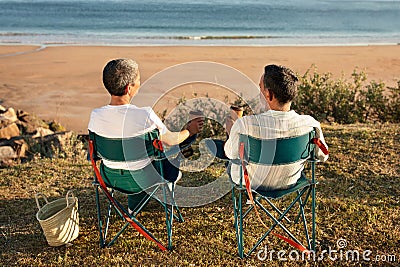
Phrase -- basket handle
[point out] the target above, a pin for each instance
(67, 198)
(37, 199)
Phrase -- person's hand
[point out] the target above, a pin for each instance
(195, 126)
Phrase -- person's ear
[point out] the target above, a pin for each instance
(270, 95)
(126, 89)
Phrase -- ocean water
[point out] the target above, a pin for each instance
(199, 22)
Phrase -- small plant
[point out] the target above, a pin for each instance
(67, 145)
(394, 103)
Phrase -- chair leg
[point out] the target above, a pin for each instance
(277, 222)
(110, 208)
(303, 204)
(103, 229)
(303, 217)
(313, 201)
(171, 194)
(130, 219)
(313, 205)
(168, 216)
(272, 206)
(99, 220)
(277, 210)
(179, 216)
(235, 219)
(238, 220)
(143, 203)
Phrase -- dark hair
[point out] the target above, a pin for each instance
(118, 73)
(281, 81)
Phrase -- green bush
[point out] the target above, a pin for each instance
(343, 101)
(394, 103)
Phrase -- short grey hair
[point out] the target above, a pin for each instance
(118, 73)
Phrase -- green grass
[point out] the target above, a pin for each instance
(357, 195)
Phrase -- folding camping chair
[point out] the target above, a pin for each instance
(131, 149)
(284, 151)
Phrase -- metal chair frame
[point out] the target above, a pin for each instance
(121, 149)
(287, 150)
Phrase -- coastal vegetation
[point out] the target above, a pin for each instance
(347, 100)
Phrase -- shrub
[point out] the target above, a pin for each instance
(344, 101)
(394, 103)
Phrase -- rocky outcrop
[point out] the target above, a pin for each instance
(23, 135)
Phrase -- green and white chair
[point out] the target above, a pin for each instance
(276, 152)
(110, 181)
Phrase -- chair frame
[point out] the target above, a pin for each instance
(153, 148)
(304, 188)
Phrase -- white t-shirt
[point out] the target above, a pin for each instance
(271, 125)
(125, 121)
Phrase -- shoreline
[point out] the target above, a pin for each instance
(129, 39)
(55, 44)
(63, 82)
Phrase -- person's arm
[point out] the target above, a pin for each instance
(235, 113)
(175, 138)
(232, 144)
(319, 154)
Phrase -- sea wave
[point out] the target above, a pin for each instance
(97, 38)
(210, 37)
(5, 34)
(175, 37)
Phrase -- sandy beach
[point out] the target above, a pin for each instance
(64, 82)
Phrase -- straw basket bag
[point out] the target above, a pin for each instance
(59, 219)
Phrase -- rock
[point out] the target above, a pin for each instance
(30, 122)
(56, 127)
(21, 132)
(7, 152)
(4, 123)
(41, 132)
(8, 117)
(21, 114)
(9, 131)
(20, 148)
(18, 144)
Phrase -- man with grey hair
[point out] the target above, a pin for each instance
(119, 119)
(277, 90)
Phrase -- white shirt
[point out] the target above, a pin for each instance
(125, 121)
(271, 125)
